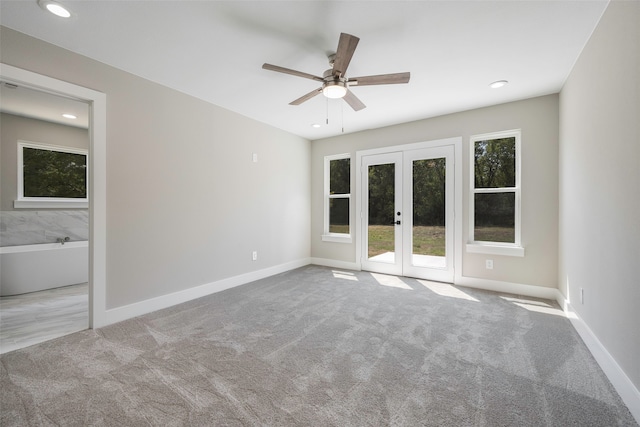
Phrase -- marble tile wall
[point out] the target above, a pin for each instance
(35, 227)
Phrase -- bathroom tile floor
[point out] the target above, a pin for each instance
(36, 317)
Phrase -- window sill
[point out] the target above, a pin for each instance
(495, 249)
(50, 204)
(337, 238)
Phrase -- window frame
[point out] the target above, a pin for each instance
(48, 202)
(489, 247)
(328, 236)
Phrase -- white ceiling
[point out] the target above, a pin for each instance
(22, 101)
(214, 50)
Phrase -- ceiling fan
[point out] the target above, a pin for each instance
(335, 83)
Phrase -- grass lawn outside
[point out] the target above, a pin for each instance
(494, 234)
(339, 229)
(427, 240)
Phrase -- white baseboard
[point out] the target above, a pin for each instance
(119, 314)
(508, 287)
(471, 282)
(629, 394)
(335, 263)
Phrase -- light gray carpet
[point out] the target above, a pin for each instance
(308, 348)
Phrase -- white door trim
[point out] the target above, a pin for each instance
(97, 175)
(456, 142)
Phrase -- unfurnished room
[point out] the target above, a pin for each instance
(320, 213)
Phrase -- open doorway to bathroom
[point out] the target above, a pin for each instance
(44, 216)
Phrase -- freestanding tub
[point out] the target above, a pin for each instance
(33, 268)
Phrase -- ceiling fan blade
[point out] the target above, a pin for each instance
(292, 72)
(306, 97)
(346, 47)
(382, 79)
(353, 101)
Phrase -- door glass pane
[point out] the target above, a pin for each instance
(381, 231)
(494, 217)
(428, 233)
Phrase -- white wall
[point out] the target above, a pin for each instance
(186, 205)
(600, 185)
(538, 119)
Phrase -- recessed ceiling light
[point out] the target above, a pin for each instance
(497, 84)
(69, 116)
(55, 8)
(315, 125)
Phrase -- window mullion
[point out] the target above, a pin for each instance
(496, 190)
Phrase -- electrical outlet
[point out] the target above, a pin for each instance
(489, 264)
(254, 255)
(254, 157)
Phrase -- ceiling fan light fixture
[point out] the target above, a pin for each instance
(334, 90)
(55, 8)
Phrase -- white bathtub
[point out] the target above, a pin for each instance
(37, 267)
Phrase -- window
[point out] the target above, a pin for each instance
(337, 201)
(495, 194)
(51, 176)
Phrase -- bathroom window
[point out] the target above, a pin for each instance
(495, 194)
(51, 176)
(337, 200)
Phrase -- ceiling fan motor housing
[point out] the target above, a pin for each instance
(328, 76)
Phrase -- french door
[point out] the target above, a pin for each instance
(407, 213)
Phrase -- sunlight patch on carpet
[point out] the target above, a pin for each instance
(446, 290)
(390, 281)
(344, 275)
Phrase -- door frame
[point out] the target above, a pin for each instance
(456, 142)
(97, 102)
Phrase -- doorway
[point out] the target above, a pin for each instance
(44, 220)
(97, 175)
(407, 204)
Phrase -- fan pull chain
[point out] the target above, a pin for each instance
(342, 114)
(327, 99)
